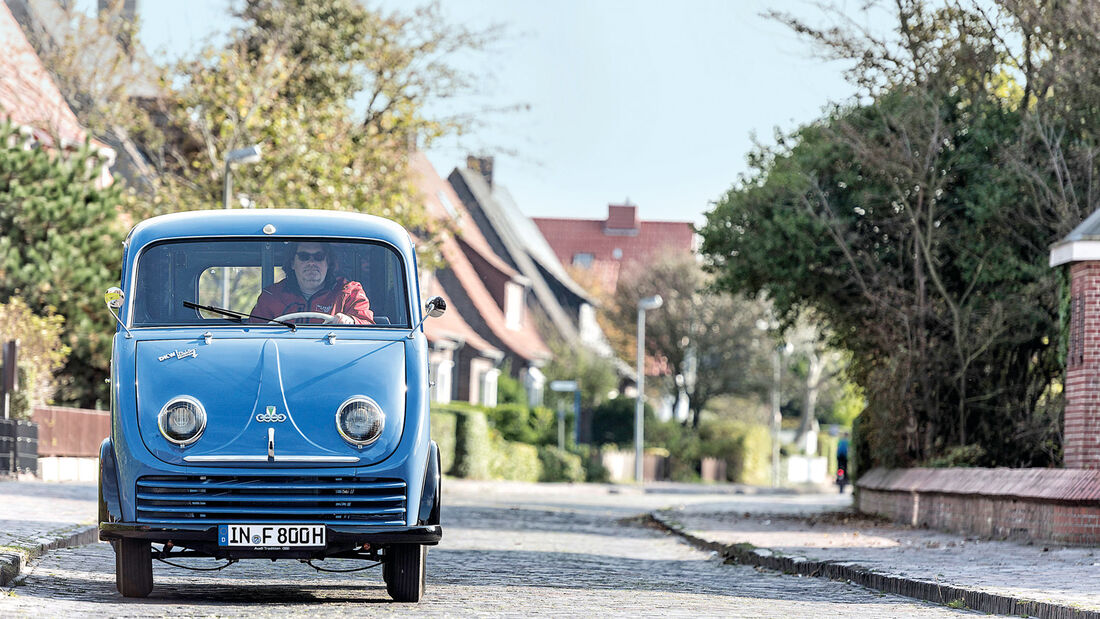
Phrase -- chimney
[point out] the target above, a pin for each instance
(127, 9)
(484, 165)
(125, 12)
(622, 220)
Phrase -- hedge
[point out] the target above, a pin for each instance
(756, 455)
(443, 433)
(513, 461)
(473, 450)
(560, 465)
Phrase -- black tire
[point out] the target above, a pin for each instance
(133, 568)
(403, 571)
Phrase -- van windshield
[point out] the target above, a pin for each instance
(357, 283)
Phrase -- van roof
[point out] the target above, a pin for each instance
(286, 223)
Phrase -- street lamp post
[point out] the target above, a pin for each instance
(777, 415)
(647, 303)
(240, 155)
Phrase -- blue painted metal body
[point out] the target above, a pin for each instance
(238, 371)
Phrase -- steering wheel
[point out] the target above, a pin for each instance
(328, 318)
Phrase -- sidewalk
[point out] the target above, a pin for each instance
(39, 516)
(989, 576)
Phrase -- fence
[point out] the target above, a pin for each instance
(71, 432)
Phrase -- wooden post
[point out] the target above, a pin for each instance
(9, 382)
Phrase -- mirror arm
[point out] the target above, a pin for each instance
(427, 313)
(119, 321)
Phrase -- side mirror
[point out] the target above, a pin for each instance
(435, 307)
(113, 297)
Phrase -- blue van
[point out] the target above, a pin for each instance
(269, 385)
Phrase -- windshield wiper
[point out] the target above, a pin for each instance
(238, 316)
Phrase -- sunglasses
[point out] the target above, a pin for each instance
(305, 256)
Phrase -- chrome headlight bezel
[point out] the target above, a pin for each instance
(162, 419)
(375, 408)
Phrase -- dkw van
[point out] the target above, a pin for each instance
(269, 396)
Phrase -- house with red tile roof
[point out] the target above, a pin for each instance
(487, 322)
(564, 310)
(612, 246)
(107, 60)
(30, 99)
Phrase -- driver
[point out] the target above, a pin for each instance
(311, 286)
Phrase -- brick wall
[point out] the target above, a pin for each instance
(1056, 505)
(1082, 416)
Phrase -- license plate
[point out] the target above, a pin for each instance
(271, 535)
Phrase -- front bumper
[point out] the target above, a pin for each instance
(341, 540)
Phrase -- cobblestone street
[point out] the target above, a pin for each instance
(507, 550)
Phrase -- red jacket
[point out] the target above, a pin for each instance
(285, 297)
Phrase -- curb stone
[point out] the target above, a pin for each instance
(13, 561)
(972, 599)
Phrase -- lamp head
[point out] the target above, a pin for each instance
(651, 303)
(244, 155)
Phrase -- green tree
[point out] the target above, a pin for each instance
(595, 374)
(895, 219)
(708, 339)
(60, 248)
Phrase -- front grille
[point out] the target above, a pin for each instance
(232, 499)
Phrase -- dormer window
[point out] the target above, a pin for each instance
(447, 204)
(513, 306)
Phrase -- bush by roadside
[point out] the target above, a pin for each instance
(443, 433)
(560, 465)
(513, 461)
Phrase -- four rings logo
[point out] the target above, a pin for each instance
(270, 416)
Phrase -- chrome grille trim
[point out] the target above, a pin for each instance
(227, 499)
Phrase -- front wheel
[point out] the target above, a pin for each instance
(133, 568)
(403, 571)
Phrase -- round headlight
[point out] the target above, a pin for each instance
(182, 420)
(360, 420)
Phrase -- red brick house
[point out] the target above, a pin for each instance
(613, 245)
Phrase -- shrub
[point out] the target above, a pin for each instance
(755, 466)
(510, 390)
(512, 421)
(513, 461)
(473, 450)
(859, 449)
(544, 424)
(560, 465)
(41, 353)
(592, 462)
(613, 422)
(960, 455)
(443, 432)
(826, 447)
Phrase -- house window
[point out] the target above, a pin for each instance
(513, 306)
(442, 371)
(534, 381)
(489, 387)
(583, 260)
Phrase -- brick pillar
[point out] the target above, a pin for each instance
(1082, 420)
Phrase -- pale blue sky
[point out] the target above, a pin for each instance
(649, 100)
